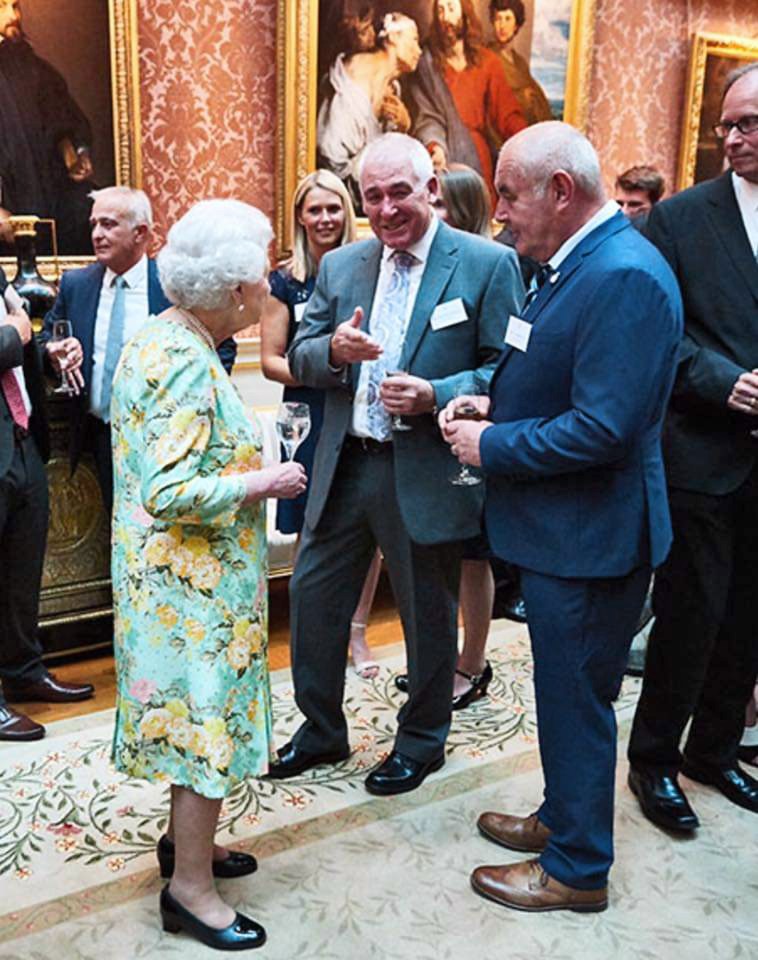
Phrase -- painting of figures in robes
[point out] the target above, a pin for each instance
(462, 76)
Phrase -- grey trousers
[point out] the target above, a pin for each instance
(362, 511)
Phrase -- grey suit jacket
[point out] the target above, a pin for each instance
(486, 277)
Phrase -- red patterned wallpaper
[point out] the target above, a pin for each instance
(209, 100)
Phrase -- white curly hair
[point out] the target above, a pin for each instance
(214, 247)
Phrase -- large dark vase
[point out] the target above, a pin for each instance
(38, 292)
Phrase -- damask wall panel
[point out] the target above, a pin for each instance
(208, 102)
(639, 74)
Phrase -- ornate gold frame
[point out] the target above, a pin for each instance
(122, 21)
(703, 45)
(296, 56)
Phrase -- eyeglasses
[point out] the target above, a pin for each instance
(746, 126)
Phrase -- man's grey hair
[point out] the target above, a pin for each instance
(391, 145)
(737, 74)
(216, 245)
(544, 148)
(135, 203)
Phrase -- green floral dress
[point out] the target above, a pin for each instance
(189, 569)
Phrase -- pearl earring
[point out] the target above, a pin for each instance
(241, 307)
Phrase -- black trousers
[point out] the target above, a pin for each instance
(702, 657)
(23, 535)
(97, 440)
(363, 512)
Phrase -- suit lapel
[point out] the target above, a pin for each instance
(570, 265)
(90, 298)
(726, 219)
(362, 292)
(437, 272)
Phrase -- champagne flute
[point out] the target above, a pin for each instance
(396, 421)
(293, 424)
(62, 331)
(465, 411)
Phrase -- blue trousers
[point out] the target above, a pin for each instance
(581, 631)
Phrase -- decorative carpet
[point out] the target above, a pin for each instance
(346, 875)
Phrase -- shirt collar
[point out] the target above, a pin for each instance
(609, 209)
(420, 249)
(745, 190)
(136, 276)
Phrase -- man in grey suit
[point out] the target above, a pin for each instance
(433, 302)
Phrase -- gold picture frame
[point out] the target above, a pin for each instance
(711, 57)
(125, 102)
(297, 92)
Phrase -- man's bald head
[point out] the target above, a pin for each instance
(545, 148)
(548, 184)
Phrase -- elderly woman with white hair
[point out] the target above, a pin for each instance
(189, 560)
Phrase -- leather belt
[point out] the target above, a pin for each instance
(367, 444)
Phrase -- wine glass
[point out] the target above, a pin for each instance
(465, 411)
(293, 424)
(396, 421)
(62, 331)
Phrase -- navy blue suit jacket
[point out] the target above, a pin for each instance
(77, 301)
(575, 479)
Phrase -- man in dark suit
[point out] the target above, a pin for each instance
(703, 651)
(106, 304)
(423, 298)
(24, 448)
(576, 496)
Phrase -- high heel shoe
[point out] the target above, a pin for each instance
(478, 689)
(235, 865)
(241, 934)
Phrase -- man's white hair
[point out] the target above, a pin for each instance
(135, 203)
(544, 148)
(216, 245)
(392, 145)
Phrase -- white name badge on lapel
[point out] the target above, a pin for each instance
(300, 310)
(517, 333)
(448, 314)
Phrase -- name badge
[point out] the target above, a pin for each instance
(299, 309)
(448, 314)
(517, 333)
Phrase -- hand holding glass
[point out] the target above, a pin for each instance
(396, 421)
(293, 424)
(62, 331)
(465, 410)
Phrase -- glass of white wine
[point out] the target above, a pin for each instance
(293, 424)
(62, 331)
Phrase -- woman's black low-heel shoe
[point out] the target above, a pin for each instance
(242, 934)
(236, 864)
(478, 689)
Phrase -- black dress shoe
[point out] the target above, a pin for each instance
(401, 682)
(241, 934)
(293, 760)
(514, 609)
(399, 774)
(734, 783)
(662, 801)
(48, 690)
(235, 865)
(18, 727)
(478, 689)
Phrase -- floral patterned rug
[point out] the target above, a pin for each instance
(347, 875)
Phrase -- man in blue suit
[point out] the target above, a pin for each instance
(576, 496)
(106, 304)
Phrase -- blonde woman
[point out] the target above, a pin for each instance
(189, 560)
(322, 220)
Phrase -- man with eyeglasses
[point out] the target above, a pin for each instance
(703, 652)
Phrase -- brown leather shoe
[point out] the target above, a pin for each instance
(526, 886)
(524, 834)
(15, 726)
(48, 690)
